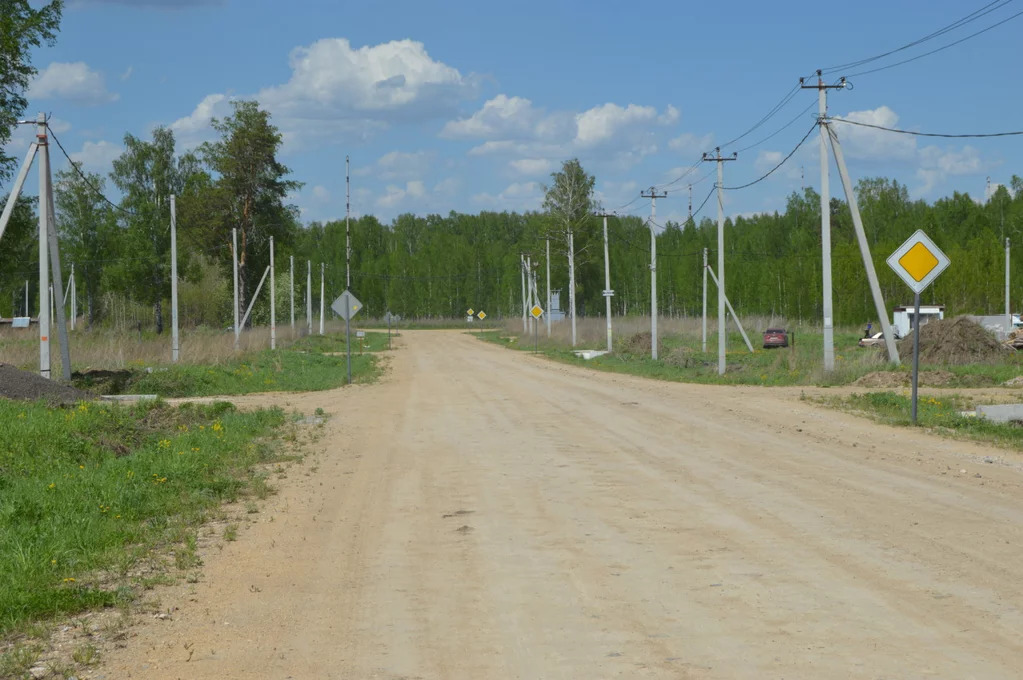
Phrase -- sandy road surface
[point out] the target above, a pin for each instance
(485, 514)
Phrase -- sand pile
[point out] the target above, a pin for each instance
(953, 342)
(18, 384)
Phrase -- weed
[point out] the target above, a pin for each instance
(231, 532)
(85, 655)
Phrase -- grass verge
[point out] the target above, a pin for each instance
(314, 363)
(88, 494)
(681, 359)
(942, 415)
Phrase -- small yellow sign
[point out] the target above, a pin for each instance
(918, 261)
(469, 312)
(536, 311)
(482, 315)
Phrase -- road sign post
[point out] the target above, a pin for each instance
(346, 306)
(918, 262)
(536, 312)
(482, 317)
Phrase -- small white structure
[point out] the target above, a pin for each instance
(902, 317)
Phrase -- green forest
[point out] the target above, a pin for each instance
(436, 266)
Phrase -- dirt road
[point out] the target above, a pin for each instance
(484, 514)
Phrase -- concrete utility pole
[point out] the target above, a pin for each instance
(829, 321)
(292, 292)
(608, 293)
(861, 238)
(690, 220)
(547, 316)
(234, 255)
(529, 292)
(571, 280)
(44, 253)
(175, 340)
(704, 299)
(309, 296)
(653, 196)
(720, 160)
(56, 277)
(323, 290)
(74, 298)
(1008, 311)
(348, 230)
(273, 298)
(522, 267)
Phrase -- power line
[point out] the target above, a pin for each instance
(971, 17)
(779, 130)
(926, 134)
(939, 49)
(777, 107)
(84, 178)
(771, 171)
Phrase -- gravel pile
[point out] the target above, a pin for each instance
(18, 384)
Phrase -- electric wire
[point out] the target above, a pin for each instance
(783, 161)
(939, 49)
(84, 178)
(779, 130)
(969, 18)
(927, 134)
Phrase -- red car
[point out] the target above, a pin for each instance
(776, 337)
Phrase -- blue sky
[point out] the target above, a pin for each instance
(470, 106)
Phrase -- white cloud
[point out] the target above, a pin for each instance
(447, 186)
(395, 195)
(194, 128)
(127, 72)
(321, 194)
(936, 165)
(395, 80)
(97, 156)
(602, 123)
(399, 165)
(516, 196)
(74, 81)
(618, 136)
(532, 166)
(860, 142)
(689, 144)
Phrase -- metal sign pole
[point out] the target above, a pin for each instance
(388, 331)
(348, 335)
(916, 348)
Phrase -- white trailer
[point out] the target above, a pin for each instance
(902, 317)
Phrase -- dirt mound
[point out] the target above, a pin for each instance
(953, 342)
(927, 378)
(18, 384)
(637, 344)
(679, 357)
(1014, 382)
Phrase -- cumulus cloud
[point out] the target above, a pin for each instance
(395, 194)
(400, 165)
(97, 156)
(689, 144)
(516, 196)
(73, 81)
(339, 90)
(194, 128)
(394, 80)
(513, 126)
(532, 166)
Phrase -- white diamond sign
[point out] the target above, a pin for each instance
(918, 261)
(347, 305)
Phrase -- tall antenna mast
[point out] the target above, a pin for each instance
(348, 231)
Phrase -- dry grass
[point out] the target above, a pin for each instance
(112, 349)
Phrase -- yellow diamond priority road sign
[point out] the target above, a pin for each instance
(482, 315)
(469, 312)
(918, 261)
(536, 311)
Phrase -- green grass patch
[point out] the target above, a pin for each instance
(266, 371)
(87, 492)
(374, 341)
(681, 359)
(943, 415)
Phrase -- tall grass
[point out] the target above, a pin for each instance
(117, 349)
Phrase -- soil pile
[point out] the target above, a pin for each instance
(904, 379)
(637, 344)
(679, 357)
(18, 384)
(955, 341)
